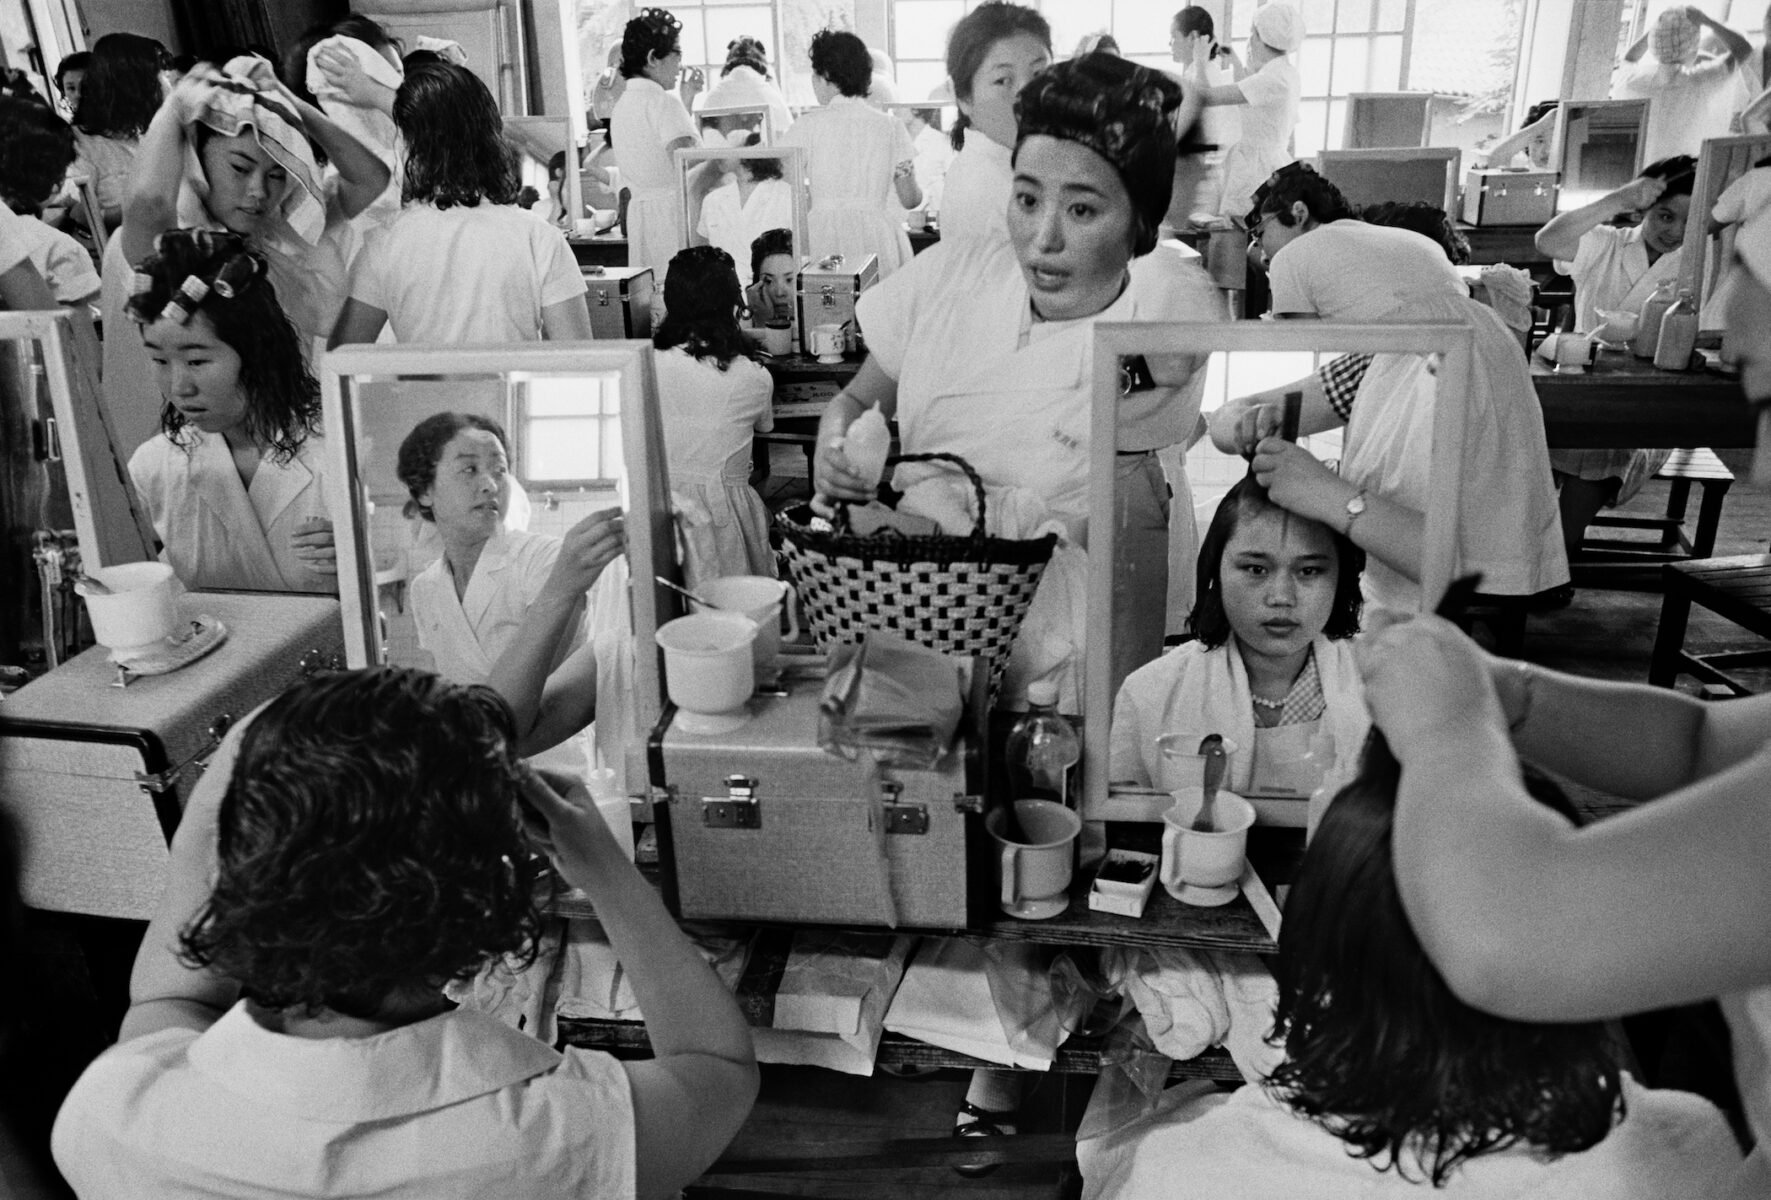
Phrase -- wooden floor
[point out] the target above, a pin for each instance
(1608, 634)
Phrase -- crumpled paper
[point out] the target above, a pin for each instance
(1192, 1000)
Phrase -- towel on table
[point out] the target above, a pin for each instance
(1509, 294)
(1192, 1000)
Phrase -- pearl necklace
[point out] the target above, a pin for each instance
(1263, 702)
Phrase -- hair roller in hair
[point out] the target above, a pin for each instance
(190, 294)
(236, 275)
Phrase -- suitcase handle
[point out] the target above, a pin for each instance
(157, 783)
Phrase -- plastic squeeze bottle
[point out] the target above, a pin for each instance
(1678, 334)
(1043, 751)
(866, 444)
(1647, 336)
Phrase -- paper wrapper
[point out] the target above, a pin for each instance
(830, 1008)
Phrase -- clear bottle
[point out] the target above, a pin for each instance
(1043, 751)
(1647, 337)
(1678, 334)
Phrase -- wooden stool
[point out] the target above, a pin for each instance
(1686, 467)
(1737, 588)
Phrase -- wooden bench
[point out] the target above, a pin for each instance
(1698, 466)
(1737, 588)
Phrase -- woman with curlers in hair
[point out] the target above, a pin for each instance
(647, 127)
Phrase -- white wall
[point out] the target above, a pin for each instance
(149, 18)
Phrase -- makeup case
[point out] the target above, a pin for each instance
(828, 289)
(620, 300)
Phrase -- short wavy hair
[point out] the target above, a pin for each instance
(970, 40)
(842, 58)
(1294, 182)
(701, 301)
(653, 32)
(121, 91)
(746, 51)
(1210, 623)
(282, 395)
(1679, 171)
(369, 845)
(456, 151)
(1380, 1051)
(36, 149)
(766, 245)
(422, 449)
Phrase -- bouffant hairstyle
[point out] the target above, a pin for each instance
(1428, 220)
(842, 58)
(369, 845)
(655, 33)
(121, 91)
(701, 302)
(1380, 1051)
(1292, 183)
(766, 245)
(970, 40)
(240, 304)
(422, 449)
(456, 152)
(746, 52)
(36, 149)
(1209, 623)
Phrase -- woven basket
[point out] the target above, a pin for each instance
(963, 596)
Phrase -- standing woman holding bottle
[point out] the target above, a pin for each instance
(647, 128)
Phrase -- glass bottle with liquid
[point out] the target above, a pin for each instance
(1043, 751)
(1647, 336)
(1678, 334)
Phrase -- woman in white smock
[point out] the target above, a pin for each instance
(1323, 262)
(1616, 269)
(756, 200)
(859, 158)
(647, 127)
(713, 399)
(744, 82)
(992, 53)
(1268, 99)
(232, 482)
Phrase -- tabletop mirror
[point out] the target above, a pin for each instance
(928, 124)
(739, 125)
(1597, 147)
(1399, 173)
(730, 197)
(1239, 359)
(1708, 253)
(1376, 120)
(548, 149)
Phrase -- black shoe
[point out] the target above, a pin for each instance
(983, 1123)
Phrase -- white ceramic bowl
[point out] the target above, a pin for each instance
(142, 609)
(708, 669)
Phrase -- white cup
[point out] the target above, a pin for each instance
(1182, 764)
(1033, 877)
(827, 342)
(709, 669)
(916, 218)
(142, 609)
(761, 599)
(1200, 867)
(777, 339)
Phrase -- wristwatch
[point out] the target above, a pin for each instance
(1355, 507)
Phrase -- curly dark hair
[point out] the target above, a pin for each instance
(655, 33)
(121, 91)
(422, 449)
(970, 40)
(701, 301)
(1379, 1051)
(456, 152)
(369, 845)
(1679, 171)
(1294, 182)
(759, 169)
(746, 52)
(282, 395)
(36, 149)
(842, 58)
(767, 244)
(1428, 220)
(1208, 621)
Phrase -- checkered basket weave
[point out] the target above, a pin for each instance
(964, 596)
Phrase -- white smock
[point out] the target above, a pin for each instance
(1268, 120)
(1508, 525)
(709, 418)
(1686, 104)
(853, 150)
(646, 120)
(217, 533)
(976, 190)
(465, 635)
(744, 87)
(732, 223)
(1192, 688)
(934, 154)
(1611, 271)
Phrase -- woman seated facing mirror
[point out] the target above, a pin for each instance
(1392, 1085)
(981, 336)
(233, 482)
(774, 280)
(1271, 664)
(1325, 262)
(470, 604)
(712, 399)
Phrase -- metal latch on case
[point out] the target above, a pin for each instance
(157, 782)
(738, 810)
(902, 818)
(602, 297)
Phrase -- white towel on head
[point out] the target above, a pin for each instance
(374, 65)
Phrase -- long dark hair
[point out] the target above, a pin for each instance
(121, 91)
(282, 395)
(970, 39)
(1378, 1049)
(369, 845)
(1209, 623)
(456, 152)
(701, 299)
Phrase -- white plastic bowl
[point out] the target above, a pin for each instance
(708, 668)
(142, 609)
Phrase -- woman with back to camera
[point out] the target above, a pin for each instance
(744, 82)
(1266, 97)
(119, 93)
(647, 127)
(992, 53)
(858, 157)
(1670, 903)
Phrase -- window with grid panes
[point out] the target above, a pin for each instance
(570, 430)
(707, 29)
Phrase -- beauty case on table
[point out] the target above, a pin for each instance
(1493, 196)
(620, 300)
(828, 289)
(763, 824)
(96, 776)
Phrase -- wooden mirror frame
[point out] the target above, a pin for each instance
(1119, 340)
(794, 165)
(1719, 163)
(770, 133)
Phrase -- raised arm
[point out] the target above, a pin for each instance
(904, 180)
(344, 72)
(1502, 152)
(1298, 482)
(690, 1099)
(1237, 426)
(151, 207)
(362, 175)
(1739, 50)
(1560, 236)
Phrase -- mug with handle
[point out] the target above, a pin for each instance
(1200, 867)
(1035, 875)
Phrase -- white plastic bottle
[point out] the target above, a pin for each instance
(866, 444)
(1647, 337)
(1043, 751)
(1678, 334)
(1322, 753)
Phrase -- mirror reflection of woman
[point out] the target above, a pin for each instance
(755, 200)
(744, 82)
(774, 279)
(992, 53)
(233, 482)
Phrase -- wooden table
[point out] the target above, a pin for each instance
(1622, 403)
